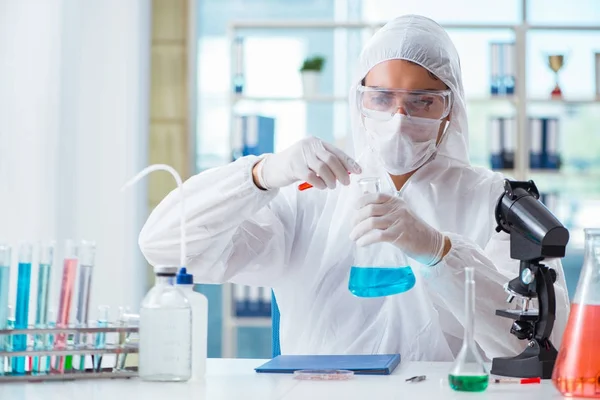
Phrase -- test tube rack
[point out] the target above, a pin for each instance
(116, 345)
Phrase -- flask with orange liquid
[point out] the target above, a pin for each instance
(577, 369)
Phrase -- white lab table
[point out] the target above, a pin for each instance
(229, 379)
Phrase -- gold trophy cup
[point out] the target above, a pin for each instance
(556, 62)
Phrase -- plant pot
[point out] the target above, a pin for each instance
(310, 83)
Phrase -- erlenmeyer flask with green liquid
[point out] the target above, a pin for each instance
(469, 374)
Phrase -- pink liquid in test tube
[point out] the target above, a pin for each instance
(66, 295)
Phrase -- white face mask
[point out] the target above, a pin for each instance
(403, 143)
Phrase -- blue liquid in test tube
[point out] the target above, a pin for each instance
(22, 313)
(100, 339)
(41, 312)
(9, 338)
(4, 279)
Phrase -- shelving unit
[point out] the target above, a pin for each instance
(231, 323)
(521, 170)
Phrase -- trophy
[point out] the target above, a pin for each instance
(556, 62)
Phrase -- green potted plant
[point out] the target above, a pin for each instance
(311, 74)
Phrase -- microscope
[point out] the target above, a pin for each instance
(535, 234)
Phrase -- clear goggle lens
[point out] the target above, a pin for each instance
(382, 104)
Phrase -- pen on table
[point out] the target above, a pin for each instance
(523, 381)
(418, 378)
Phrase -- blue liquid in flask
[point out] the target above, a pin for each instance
(378, 281)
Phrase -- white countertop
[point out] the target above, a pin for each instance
(229, 379)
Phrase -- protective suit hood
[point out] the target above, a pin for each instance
(424, 42)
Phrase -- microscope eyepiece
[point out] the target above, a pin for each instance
(535, 232)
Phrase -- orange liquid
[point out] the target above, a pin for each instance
(577, 369)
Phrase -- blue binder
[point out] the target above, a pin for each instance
(376, 364)
(252, 134)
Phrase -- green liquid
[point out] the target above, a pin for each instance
(477, 383)
(68, 363)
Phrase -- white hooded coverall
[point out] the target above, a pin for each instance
(297, 242)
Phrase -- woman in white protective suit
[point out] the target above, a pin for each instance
(247, 222)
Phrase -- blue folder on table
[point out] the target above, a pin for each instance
(376, 364)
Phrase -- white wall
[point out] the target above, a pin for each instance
(74, 96)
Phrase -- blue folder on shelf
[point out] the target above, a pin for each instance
(377, 364)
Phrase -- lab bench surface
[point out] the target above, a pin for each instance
(235, 379)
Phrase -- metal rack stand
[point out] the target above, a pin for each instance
(123, 347)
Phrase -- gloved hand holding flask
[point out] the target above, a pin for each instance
(385, 218)
(379, 269)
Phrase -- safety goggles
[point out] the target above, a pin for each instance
(382, 104)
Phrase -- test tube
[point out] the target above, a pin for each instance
(41, 312)
(132, 339)
(87, 254)
(50, 337)
(9, 339)
(100, 340)
(64, 306)
(4, 279)
(22, 312)
(122, 336)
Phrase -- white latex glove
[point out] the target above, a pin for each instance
(310, 160)
(385, 218)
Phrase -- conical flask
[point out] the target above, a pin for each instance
(469, 374)
(577, 369)
(379, 269)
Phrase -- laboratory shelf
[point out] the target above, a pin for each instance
(317, 98)
(505, 172)
(251, 322)
(563, 27)
(566, 101)
(566, 174)
(302, 24)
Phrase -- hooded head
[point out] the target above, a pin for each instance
(421, 47)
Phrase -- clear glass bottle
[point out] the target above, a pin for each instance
(577, 369)
(469, 374)
(378, 269)
(165, 331)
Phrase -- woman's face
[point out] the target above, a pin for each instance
(401, 74)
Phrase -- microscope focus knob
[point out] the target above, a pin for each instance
(527, 276)
(552, 275)
(522, 330)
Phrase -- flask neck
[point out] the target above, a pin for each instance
(588, 287)
(469, 336)
(592, 244)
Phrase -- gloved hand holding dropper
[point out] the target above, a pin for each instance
(312, 160)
